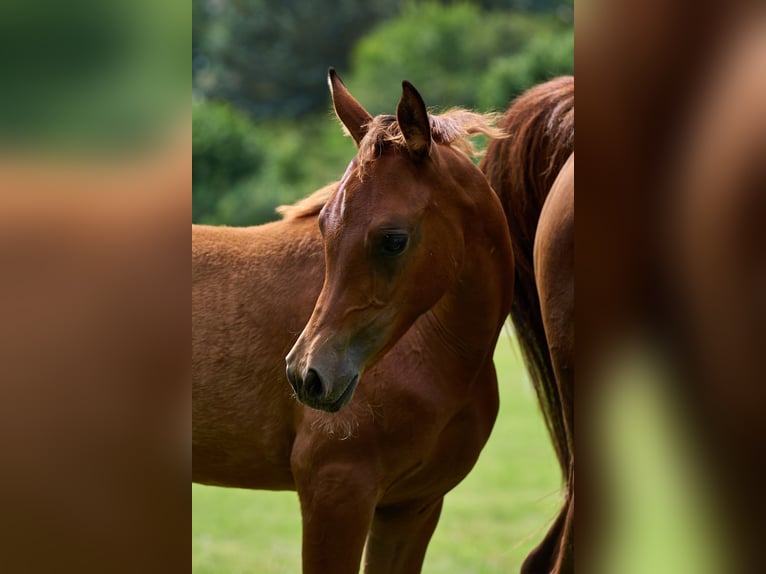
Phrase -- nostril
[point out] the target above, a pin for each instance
(312, 385)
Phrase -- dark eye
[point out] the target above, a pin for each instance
(393, 243)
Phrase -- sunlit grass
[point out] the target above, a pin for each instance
(488, 524)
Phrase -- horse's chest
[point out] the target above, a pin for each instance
(437, 463)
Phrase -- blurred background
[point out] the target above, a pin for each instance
(89, 80)
(263, 131)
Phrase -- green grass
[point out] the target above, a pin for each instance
(488, 524)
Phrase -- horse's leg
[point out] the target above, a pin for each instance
(554, 274)
(337, 508)
(399, 537)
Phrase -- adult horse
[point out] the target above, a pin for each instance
(522, 169)
(417, 285)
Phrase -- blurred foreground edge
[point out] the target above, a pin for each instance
(671, 256)
(95, 354)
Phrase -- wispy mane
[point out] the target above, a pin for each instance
(454, 128)
(308, 206)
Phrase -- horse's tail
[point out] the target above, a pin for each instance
(521, 169)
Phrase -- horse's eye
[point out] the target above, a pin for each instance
(393, 243)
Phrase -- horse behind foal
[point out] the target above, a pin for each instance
(417, 285)
(522, 169)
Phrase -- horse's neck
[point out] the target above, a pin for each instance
(468, 319)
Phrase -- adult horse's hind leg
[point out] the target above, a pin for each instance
(554, 274)
(399, 537)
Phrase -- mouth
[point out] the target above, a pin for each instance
(341, 401)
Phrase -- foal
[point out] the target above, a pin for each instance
(417, 285)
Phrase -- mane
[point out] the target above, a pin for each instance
(308, 206)
(454, 128)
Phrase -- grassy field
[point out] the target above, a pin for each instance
(489, 522)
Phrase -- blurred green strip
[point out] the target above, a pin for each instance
(660, 507)
(85, 75)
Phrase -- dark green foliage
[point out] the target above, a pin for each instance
(300, 158)
(447, 51)
(270, 57)
(523, 5)
(242, 171)
(224, 150)
(200, 21)
(545, 57)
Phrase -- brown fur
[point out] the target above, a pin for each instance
(377, 470)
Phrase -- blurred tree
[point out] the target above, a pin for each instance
(546, 56)
(302, 156)
(224, 151)
(270, 57)
(447, 50)
(200, 23)
(520, 5)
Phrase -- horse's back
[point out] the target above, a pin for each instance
(241, 275)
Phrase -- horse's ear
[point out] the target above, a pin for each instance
(350, 112)
(413, 121)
